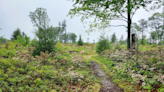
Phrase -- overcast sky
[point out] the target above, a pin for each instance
(14, 14)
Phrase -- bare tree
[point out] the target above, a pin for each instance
(143, 27)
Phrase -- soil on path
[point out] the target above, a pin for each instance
(107, 84)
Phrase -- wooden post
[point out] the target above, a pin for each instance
(133, 40)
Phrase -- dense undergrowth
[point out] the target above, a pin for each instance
(137, 69)
(63, 71)
(68, 68)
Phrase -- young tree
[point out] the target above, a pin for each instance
(121, 39)
(103, 43)
(73, 37)
(39, 18)
(59, 31)
(153, 35)
(155, 22)
(16, 33)
(44, 32)
(143, 27)
(93, 41)
(106, 10)
(113, 39)
(80, 42)
(162, 26)
(64, 29)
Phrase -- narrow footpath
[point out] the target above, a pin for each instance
(107, 84)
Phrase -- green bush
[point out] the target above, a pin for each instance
(45, 43)
(23, 40)
(80, 42)
(3, 40)
(8, 49)
(103, 44)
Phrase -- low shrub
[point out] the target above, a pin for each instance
(102, 45)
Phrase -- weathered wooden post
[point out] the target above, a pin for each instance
(133, 41)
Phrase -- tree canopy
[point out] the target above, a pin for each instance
(16, 33)
(103, 11)
(39, 18)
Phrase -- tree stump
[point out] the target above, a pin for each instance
(133, 41)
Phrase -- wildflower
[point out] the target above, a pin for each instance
(81, 76)
(143, 83)
(15, 58)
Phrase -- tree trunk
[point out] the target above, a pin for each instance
(142, 37)
(129, 25)
(65, 36)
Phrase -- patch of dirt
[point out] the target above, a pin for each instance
(107, 84)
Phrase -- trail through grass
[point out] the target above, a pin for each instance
(107, 84)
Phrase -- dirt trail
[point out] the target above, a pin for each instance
(107, 84)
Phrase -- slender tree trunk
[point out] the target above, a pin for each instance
(142, 37)
(65, 36)
(163, 23)
(129, 25)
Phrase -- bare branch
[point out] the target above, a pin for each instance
(122, 15)
(117, 25)
(133, 13)
(120, 19)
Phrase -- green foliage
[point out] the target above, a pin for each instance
(70, 37)
(143, 24)
(86, 43)
(3, 40)
(39, 18)
(73, 37)
(80, 42)
(16, 33)
(8, 49)
(45, 33)
(153, 35)
(103, 44)
(45, 42)
(23, 72)
(155, 22)
(100, 9)
(143, 41)
(23, 40)
(118, 46)
(139, 67)
(113, 39)
(41, 46)
(33, 42)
